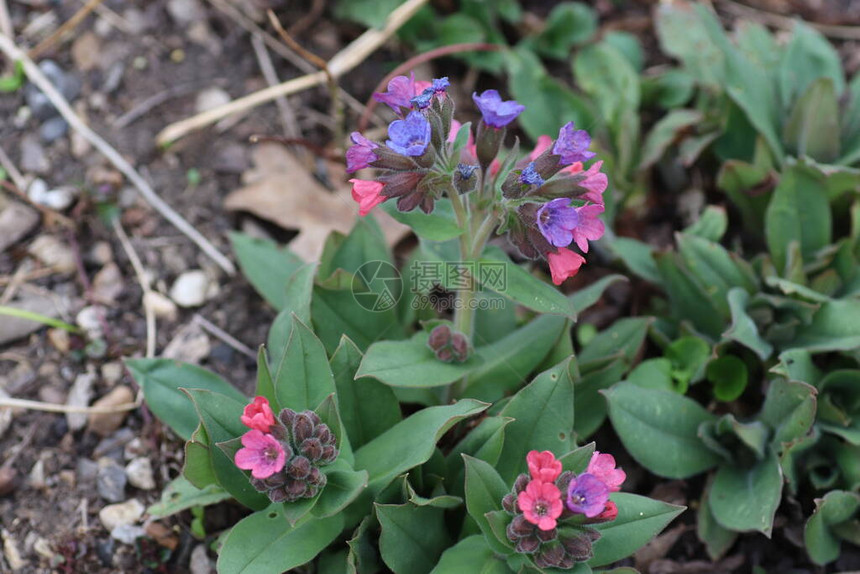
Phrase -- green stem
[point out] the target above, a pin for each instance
(38, 317)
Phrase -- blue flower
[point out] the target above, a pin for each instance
(410, 136)
(572, 145)
(531, 177)
(560, 223)
(423, 99)
(440, 85)
(497, 113)
(466, 170)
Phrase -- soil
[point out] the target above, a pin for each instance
(49, 498)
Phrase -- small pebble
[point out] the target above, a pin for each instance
(200, 561)
(37, 475)
(110, 481)
(33, 157)
(127, 512)
(162, 306)
(139, 473)
(89, 319)
(16, 221)
(54, 253)
(58, 199)
(79, 396)
(127, 534)
(11, 552)
(53, 129)
(112, 372)
(8, 480)
(162, 534)
(211, 98)
(107, 284)
(189, 289)
(60, 340)
(103, 424)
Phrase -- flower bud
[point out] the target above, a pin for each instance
(299, 467)
(546, 535)
(445, 355)
(428, 158)
(439, 337)
(487, 143)
(281, 432)
(401, 183)
(576, 543)
(521, 483)
(509, 503)
(465, 179)
(303, 427)
(550, 556)
(278, 494)
(389, 159)
(329, 454)
(286, 416)
(323, 433)
(295, 489)
(312, 449)
(527, 544)
(520, 527)
(460, 346)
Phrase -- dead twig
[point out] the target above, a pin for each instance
(784, 22)
(147, 105)
(6, 20)
(67, 26)
(54, 408)
(49, 214)
(307, 19)
(288, 116)
(344, 61)
(416, 61)
(10, 167)
(142, 279)
(8, 47)
(226, 337)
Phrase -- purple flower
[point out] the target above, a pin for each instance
(587, 495)
(423, 99)
(560, 223)
(440, 85)
(497, 113)
(361, 154)
(410, 136)
(466, 170)
(400, 92)
(531, 177)
(572, 145)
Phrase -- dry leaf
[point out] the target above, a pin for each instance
(279, 189)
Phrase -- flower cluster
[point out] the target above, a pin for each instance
(285, 453)
(551, 508)
(545, 202)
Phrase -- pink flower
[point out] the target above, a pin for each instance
(564, 264)
(595, 182)
(602, 466)
(589, 227)
(543, 466)
(258, 415)
(367, 194)
(263, 455)
(360, 155)
(542, 144)
(541, 504)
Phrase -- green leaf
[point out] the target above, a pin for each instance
(524, 288)
(671, 89)
(410, 442)
(590, 405)
(716, 269)
(659, 429)
(484, 492)
(789, 409)
(298, 294)
(440, 225)
(337, 310)
(413, 537)
(625, 336)
(220, 415)
(688, 356)
(653, 374)
(813, 122)
(729, 376)
(808, 57)
(411, 364)
(265, 543)
(666, 132)
(368, 408)
(303, 378)
(638, 257)
(743, 329)
(835, 327)
(470, 555)
(529, 82)
(799, 211)
(266, 266)
(821, 542)
(161, 379)
(198, 462)
(588, 296)
(745, 499)
(265, 383)
(342, 487)
(711, 225)
(689, 299)
(543, 413)
(639, 520)
(507, 363)
(364, 243)
(683, 33)
(181, 495)
(610, 79)
(484, 442)
(717, 539)
(569, 24)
